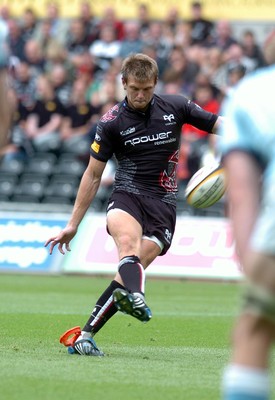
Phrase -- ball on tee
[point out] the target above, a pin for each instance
(206, 186)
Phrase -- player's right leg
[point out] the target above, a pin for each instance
(247, 376)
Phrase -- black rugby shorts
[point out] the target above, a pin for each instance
(156, 217)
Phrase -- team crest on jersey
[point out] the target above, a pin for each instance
(110, 115)
(168, 179)
(169, 117)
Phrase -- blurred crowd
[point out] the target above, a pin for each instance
(65, 73)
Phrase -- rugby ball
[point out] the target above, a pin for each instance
(206, 186)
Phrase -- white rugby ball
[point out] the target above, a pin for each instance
(206, 186)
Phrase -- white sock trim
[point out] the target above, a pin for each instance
(245, 379)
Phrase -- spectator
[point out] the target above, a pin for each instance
(80, 116)
(18, 146)
(45, 38)
(182, 36)
(222, 35)
(235, 72)
(179, 65)
(59, 26)
(24, 84)
(78, 40)
(78, 44)
(89, 20)
(109, 18)
(132, 42)
(212, 62)
(201, 147)
(201, 28)
(205, 98)
(60, 81)
(34, 57)
(106, 89)
(235, 54)
(29, 24)
(251, 49)
(85, 66)
(144, 19)
(15, 39)
(44, 122)
(172, 19)
(105, 49)
(56, 54)
(156, 38)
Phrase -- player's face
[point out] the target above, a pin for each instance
(139, 94)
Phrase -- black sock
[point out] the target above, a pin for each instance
(132, 274)
(103, 311)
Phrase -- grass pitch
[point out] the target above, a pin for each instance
(179, 354)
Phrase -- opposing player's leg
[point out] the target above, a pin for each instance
(247, 377)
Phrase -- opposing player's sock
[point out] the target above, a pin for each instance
(243, 383)
(132, 273)
(103, 310)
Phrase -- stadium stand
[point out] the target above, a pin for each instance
(52, 177)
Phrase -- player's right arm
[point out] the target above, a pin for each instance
(87, 190)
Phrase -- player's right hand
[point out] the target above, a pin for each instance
(63, 238)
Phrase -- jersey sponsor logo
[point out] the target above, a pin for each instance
(96, 147)
(128, 131)
(169, 117)
(148, 138)
(110, 115)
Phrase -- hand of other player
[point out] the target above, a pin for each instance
(64, 238)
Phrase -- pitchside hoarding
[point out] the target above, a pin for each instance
(22, 238)
(202, 248)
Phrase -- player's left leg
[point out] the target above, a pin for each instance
(127, 234)
(130, 300)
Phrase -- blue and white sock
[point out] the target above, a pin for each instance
(244, 383)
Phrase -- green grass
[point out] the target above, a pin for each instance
(179, 354)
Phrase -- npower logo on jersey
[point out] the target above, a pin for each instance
(148, 138)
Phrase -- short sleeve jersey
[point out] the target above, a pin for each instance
(146, 144)
(250, 121)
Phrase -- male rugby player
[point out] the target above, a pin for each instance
(143, 132)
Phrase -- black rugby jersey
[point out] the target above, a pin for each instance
(146, 144)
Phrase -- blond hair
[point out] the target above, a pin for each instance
(141, 67)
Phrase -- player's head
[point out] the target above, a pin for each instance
(139, 78)
(141, 67)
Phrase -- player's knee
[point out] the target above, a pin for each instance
(128, 245)
(259, 301)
